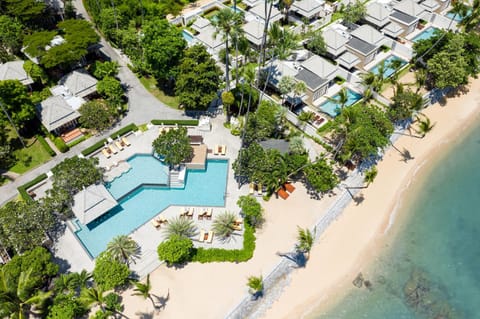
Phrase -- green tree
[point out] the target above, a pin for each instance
(111, 89)
(75, 173)
(66, 306)
(16, 301)
(424, 126)
(341, 100)
(405, 103)
(282, 42)
(295, 162)
(296, 145)
(110, 273)
(284, 6)
(64, 283)
(251, 210)
(36, 42)
(352, 13)
(173, 146)
(25, 10)
(16, 103)
(228, 24)
(180, 226)
(224, 224)
(370, 175)
(316, 43)
(248, 161)
(262, 124)
(144, 290)
(255, 286)
(320, 176)
(285, 86)
(24, 226)
(124, 249)
(175, 250)
(163, 46)
(449, 67)
(11, 36)
(100, 70)
(198, 78)
(35, 72)
(472, 19)
(81, 279)
(228, 99)
(305, 240)
(94, 296)
(97, 115)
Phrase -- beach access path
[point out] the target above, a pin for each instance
(351, 243)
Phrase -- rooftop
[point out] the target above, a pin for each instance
(13, 70)
(335, 39)
(207, 38)
(430, 5)
(308, 8)
(409, 7)
(312, 80)
(368, 34)
(361, 46)
(92, 202)
(279, 69)
(79, 83)
(348, 60)
(275, 144)
(254, 31)
(259, 11)
(200, 23)
(393, 29)
(403, 18)
(55, 112)
(320, 67)
(377, 13)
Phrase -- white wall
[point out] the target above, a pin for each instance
(443, 22)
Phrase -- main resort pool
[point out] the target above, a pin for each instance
(333, 109)
(388, 70)
(202, 188)
(425, 34)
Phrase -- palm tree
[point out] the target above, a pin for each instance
(299, 88)
(342, 98)
(305, 239)
(280, 118)
(420, 79)
(424, 126)
(93, 296)
(285, 7)
(81, 278)
(472, 20)
(144, 290)
(395, 65)
(123, 249)
(16, 301)
(370, 175)
(229, 24)
(224, 224)
(255, 286)
(296, 145)
(268, 14)
(282, 41)
(64, 283)
(180, 226)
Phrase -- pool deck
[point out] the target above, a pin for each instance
(70, 250)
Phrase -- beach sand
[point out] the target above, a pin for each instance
(352, 242)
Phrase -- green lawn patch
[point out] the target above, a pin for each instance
(32, 156)
(151, 85)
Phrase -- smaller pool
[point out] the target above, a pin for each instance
(187, 36)
(388, 71)
(333, 108)
(425, 34)
(238, 10)
(457, 17)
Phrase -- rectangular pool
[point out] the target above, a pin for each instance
(425, 34)
(388, 70)
(333, 109)
(187, 36)
(202, 188)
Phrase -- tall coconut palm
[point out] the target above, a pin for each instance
(342, 98)
(305, 239)
(64, 283)
(93, 296)
(82, 278)
(17, 301)
(370, 175)
(299, 88)
(420, 79)
(255, 286)
(180, 226)
(472, 19)
(282, 41)
(268, 6)
(228, 23)
(123, 249)
(144, 290)
(424, 126)
(224, 224)
(395, 65)
(460, 9)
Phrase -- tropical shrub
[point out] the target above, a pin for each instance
(109, 273)
(175, 250)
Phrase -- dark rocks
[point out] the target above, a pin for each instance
(358, 281)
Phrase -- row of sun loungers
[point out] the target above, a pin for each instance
(220, 150)
(157, 222)
(110, 149)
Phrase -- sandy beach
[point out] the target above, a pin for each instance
(352, 242)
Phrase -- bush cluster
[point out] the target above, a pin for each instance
(173, 122)
(45, 145)
(23, 189)
(60, 144)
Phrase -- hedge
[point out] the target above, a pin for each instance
(203, 255)
(23, 188)
(77, 141)
(45, 145)
(101, 143)
(60, 144)
(173, 122)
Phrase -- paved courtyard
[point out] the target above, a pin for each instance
(69, 248)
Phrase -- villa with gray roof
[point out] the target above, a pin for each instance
(13, 70)
(259, 12)
(377, 14)
(92, 202)
(79, 83)
(318, 75)
(365, 43)
(407, 22)
(412, 8)
(207, 38)
(56, 115)
(309, 9)
(335, 41)
(254, 32)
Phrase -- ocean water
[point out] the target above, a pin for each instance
(430, 266)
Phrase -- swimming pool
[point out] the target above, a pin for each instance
(388, 70)
(425, 34)
(333, 109)
(457, 17)
(202, 188)
(238, 10)
(187, 36)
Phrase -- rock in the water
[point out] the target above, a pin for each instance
(358, 281)
(368, 284)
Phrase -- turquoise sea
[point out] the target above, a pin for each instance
(430, 268)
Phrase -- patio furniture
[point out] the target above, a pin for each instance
(119, 145)
(237, 226)
(125, 141)
(217, 149)
(289, 187)
(106, 152)
(112, 149)
(183, 212)
(223, 150)
(155, 223)
(283, 194)
(189, 213)
(210, 237)
(238, 221)
(251, 189)
(208, 213)
(260, 189)
(202, 236)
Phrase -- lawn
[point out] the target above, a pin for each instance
(151, 85)
(31, 156)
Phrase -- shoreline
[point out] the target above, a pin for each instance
(345, 247)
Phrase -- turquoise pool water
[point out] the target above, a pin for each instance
(425, 34)
(457, 18)
(145, 169)
(436, 249)
(187, 36)
(202, 188)
(388, 71)
(333, 109)
(238, 10)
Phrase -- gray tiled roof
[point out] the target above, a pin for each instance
(320, 67)
(402, 17)
(377, 12)
(13, 70)
(55, 112)
(368, 34)
(92, 202)
(259, 11)
(393, 29)
(279, 69)
(79, 83)
(254, 31)
(207, 38)
(361, 46)
(312, 80)
(200, 23)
